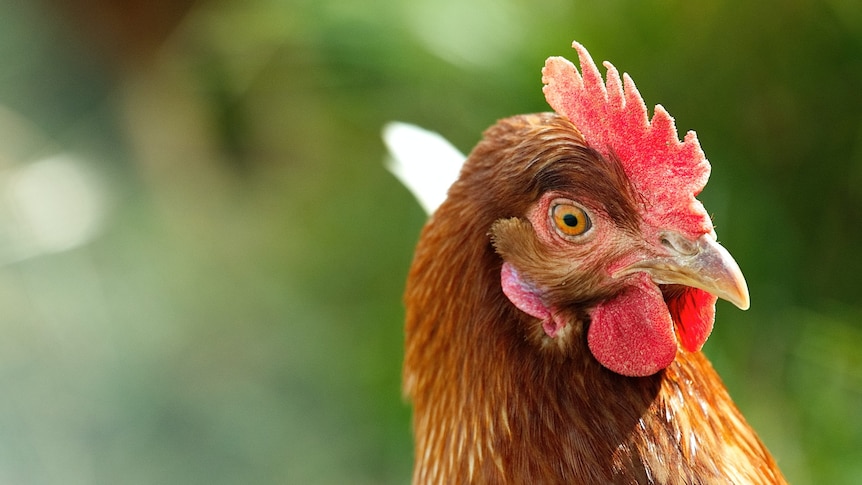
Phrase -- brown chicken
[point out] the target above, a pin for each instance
(559, 299)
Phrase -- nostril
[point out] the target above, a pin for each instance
(678, 244)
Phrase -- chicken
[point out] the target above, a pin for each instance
(559, 298)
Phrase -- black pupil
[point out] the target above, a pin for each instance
(570, 220)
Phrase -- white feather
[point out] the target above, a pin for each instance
(423, 161)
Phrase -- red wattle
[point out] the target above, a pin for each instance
(632, 333)
(693, 313)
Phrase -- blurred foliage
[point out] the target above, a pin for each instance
(237, 317)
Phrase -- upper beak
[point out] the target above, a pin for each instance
(702, 263)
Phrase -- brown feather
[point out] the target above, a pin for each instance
(493, 403)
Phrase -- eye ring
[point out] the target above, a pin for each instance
(570, 220)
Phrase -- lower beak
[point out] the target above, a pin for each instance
(702, 263)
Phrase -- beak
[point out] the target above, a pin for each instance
(702, 263)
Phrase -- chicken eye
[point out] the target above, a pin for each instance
(570, 219)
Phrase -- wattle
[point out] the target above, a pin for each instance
(693, 313)
(633, 333)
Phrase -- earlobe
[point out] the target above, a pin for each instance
(526, 298)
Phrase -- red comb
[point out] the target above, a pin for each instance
(613, 119)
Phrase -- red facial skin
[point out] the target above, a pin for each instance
(631, 333)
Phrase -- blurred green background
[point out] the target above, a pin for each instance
(203, 257)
